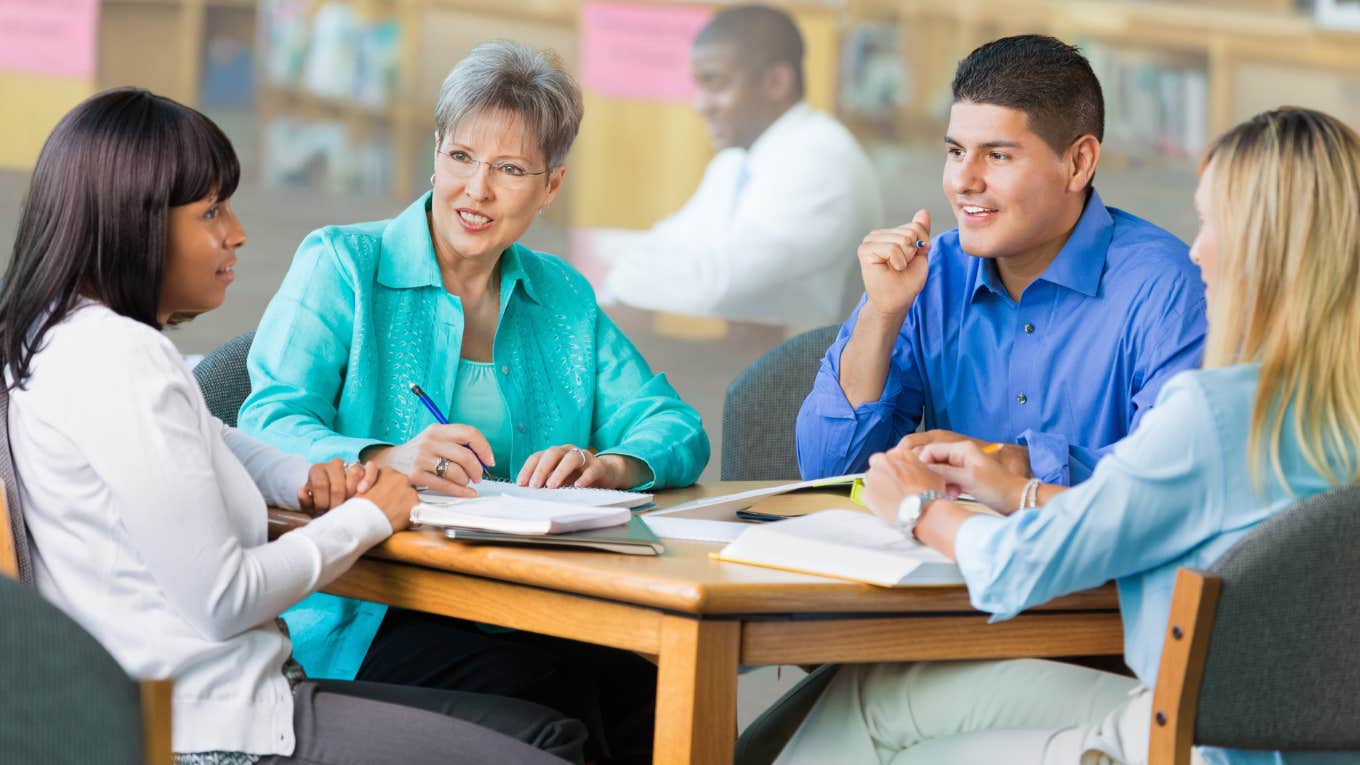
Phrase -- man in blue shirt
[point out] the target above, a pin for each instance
(1046, 321)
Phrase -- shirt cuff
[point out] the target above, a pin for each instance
(358, 516)
(648, 457)
(975, 558)
(1048, 455)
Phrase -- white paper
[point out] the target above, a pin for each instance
(516, 515)
(694, 529)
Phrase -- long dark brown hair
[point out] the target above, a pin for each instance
(95, 221)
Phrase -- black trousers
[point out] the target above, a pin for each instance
(344, 723)
(610, 690)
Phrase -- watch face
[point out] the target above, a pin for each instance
(908, 512)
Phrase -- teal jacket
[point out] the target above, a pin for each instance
(363, 313)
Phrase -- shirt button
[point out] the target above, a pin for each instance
(1021, 398)
(505, 370)
(1029, 328)
(521, 427)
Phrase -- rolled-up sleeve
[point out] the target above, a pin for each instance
(1146, 504)
(834, 438)
(638, 414)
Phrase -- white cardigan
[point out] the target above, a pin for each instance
(150, 531)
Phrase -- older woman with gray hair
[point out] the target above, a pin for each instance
(538, 384)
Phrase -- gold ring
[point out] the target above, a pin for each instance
(440, 467)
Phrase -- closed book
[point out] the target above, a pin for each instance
(517, 515)
(844, 544)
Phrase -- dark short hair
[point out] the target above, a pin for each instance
(95, 220)
(1044, 77)
(763, 34)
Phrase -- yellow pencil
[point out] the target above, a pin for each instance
(992, 448)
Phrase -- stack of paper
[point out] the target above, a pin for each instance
(515, 515)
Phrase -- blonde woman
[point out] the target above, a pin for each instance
(1273, 417)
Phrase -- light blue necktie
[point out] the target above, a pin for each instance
(743, 176)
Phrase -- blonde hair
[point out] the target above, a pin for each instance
(1285, 200)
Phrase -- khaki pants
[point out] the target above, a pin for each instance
(1022, 712)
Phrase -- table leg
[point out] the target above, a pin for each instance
(696, 695)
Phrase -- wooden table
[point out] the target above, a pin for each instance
(701, 618)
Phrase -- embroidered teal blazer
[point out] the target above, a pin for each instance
(363, 313)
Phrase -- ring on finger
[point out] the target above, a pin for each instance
(441, 466)
(579, 452)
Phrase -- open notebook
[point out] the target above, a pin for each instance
(844, 544)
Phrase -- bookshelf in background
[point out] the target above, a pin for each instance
(161, 45)
(348, 88)
(1174, 73)
(330, 110)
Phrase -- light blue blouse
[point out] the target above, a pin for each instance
(477, 401)
(1176, 492)
(363, 313)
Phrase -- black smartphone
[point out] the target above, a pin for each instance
(751, 515)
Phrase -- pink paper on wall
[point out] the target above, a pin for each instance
(639, 51)
(48, 36)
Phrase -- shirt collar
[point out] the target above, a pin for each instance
(1079, 264)
(782, 123)
(408, 258)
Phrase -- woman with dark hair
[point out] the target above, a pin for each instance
(147, 515)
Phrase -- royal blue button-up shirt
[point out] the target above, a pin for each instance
(1067, 371)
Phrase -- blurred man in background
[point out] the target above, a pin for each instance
(770, 234)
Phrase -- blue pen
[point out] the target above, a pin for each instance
(442, 420)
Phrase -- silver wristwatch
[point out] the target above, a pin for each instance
(909, 511)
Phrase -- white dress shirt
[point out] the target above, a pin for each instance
(149, 526)
(777, 245)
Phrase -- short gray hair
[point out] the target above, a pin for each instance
(532, 84)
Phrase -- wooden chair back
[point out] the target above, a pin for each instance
(1181, 673)
(9, 557)
(1259, 651)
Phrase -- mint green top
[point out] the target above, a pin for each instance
(477, 401)
(363, 313)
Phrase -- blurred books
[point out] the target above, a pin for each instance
(331, 74)
(1155, 105)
